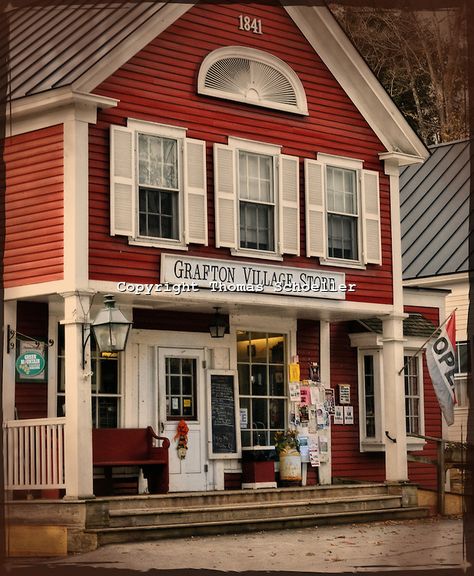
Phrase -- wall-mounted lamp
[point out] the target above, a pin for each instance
(218, 325)
(110, 328)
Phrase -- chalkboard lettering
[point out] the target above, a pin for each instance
(224, 438)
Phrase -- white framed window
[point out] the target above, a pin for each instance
(413, 379)
(252, 76)
(106, 392)
(342, 212)
(461, 376)
(371, 392)
(262, 369)
(158, 185)
(256, 199)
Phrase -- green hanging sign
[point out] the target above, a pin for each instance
(30, 363)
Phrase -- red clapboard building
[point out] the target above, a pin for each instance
(208, 163)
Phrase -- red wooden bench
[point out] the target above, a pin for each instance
(113, 447)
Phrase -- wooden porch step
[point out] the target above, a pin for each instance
(140, 533)
(250, 510)
(232, 497)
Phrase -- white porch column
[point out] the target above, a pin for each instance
(394, 398)
(325, 374)
(9, 358)
(78, 429)
(396, 468)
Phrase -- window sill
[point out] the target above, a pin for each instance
(151, 243)
(342, 264)
(379, 445)
(372, 446)
(260, 254)
(414, 446)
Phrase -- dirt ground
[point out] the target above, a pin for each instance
(432, 544)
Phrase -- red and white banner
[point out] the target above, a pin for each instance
(442, 365)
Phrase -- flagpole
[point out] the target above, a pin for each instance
(426, 341)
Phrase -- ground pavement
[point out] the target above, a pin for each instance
(432, 543)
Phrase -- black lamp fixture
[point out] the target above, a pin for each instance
(218, 325)
(111, 329)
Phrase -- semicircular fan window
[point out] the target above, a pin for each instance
(254, 82)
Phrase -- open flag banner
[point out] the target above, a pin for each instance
(442, 365)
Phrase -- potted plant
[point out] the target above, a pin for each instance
(287, 447)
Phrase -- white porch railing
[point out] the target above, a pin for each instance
(34, 454)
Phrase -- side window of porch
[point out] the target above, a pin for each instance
(106, 392)
(461, 376)
(262, 369)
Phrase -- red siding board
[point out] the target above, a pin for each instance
(31, 398)
(159, 84)
(34, 207)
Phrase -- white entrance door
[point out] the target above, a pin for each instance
(182, 396)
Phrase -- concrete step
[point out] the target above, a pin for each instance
(116, 535)
(232, 497)
(249, 511)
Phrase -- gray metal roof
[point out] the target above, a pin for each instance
(53, 46)
(414, 325)
(434, 199)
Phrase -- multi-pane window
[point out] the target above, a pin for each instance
(158, 187)
(256, 201)
(369, 390)
(342, 213)
(105, 384)
(262, 386)
(180, 388)
(412, 394)
(461, 376)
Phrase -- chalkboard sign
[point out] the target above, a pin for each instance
(224, 442)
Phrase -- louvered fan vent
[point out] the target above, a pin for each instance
(250, 81)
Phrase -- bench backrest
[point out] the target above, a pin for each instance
(116, 444)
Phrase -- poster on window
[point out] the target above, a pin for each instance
(348, 414)
(244, 418)
(338, 414)
(294, 389)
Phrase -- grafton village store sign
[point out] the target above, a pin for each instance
(230, 276)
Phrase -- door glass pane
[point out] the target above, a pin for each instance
(181, 389)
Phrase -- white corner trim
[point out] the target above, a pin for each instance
(401, 159)
(166, 15)
(52, 108)
(353, 74)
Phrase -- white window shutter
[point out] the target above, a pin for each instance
(225, 196)
(122, 181)
(371, 217)
(195, 192)
(315, 220)
(289, 192)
